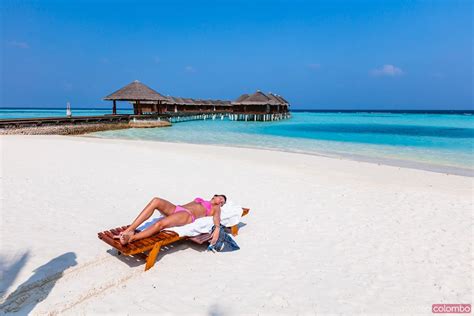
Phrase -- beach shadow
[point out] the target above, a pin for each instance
(9, 272)
(34, 290)
(215, 310)
(140, 259)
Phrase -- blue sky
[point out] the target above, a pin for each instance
(330, 54)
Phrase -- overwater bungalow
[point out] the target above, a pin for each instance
(260, 103)
(260, 107)
(143, 98)
(256, 106)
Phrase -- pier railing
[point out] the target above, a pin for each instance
(259, 116)
(176, 117)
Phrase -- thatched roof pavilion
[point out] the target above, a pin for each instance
(169, 100)
(242, 97)
(280, 98)
(177, 100)
(254, 99)
(188, 101)
(274, 99)
(260, 102)
(135, 92)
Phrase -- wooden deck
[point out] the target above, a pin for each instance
(48, 121)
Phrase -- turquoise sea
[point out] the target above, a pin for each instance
(438, 140)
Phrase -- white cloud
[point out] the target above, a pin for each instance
(189, 69)
(314, 66)
(387, 70)
(22, 45)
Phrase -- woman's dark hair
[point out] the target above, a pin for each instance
(225, 198)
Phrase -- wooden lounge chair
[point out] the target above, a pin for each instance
(154, 243)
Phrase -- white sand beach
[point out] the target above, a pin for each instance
(324, 235)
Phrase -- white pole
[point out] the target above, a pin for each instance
(68, 110)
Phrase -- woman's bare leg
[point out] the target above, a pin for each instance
(176, 219)
(165, 207)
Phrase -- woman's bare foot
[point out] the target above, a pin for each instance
(125, 237)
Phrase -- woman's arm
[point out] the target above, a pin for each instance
(217, 222)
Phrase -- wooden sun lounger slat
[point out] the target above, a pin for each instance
(132, 246)
(144, 242)
(200, 239)
(115, 231)
(109, 234)
(138, 244)
(154, 243)
(153, 240)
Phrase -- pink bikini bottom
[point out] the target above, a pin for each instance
(179, 208)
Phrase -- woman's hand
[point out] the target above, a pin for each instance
(217, 222)
(215, 235)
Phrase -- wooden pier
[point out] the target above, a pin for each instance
(54, 121)
(135, 120)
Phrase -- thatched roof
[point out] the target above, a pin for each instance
(188, 101)
(242, 98)
(257, 98)
(222, 103)
(260, 98)
(178, 100)
(135, 91)
(282, 99)
(274, 98)
(169, 100)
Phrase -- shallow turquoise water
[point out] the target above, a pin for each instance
(438, 139)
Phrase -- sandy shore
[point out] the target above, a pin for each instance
(324, 235)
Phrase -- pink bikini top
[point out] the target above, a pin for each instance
(207, 204)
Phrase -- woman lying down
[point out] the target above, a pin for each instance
(175, 215)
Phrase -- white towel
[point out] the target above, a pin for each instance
(230, 216)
